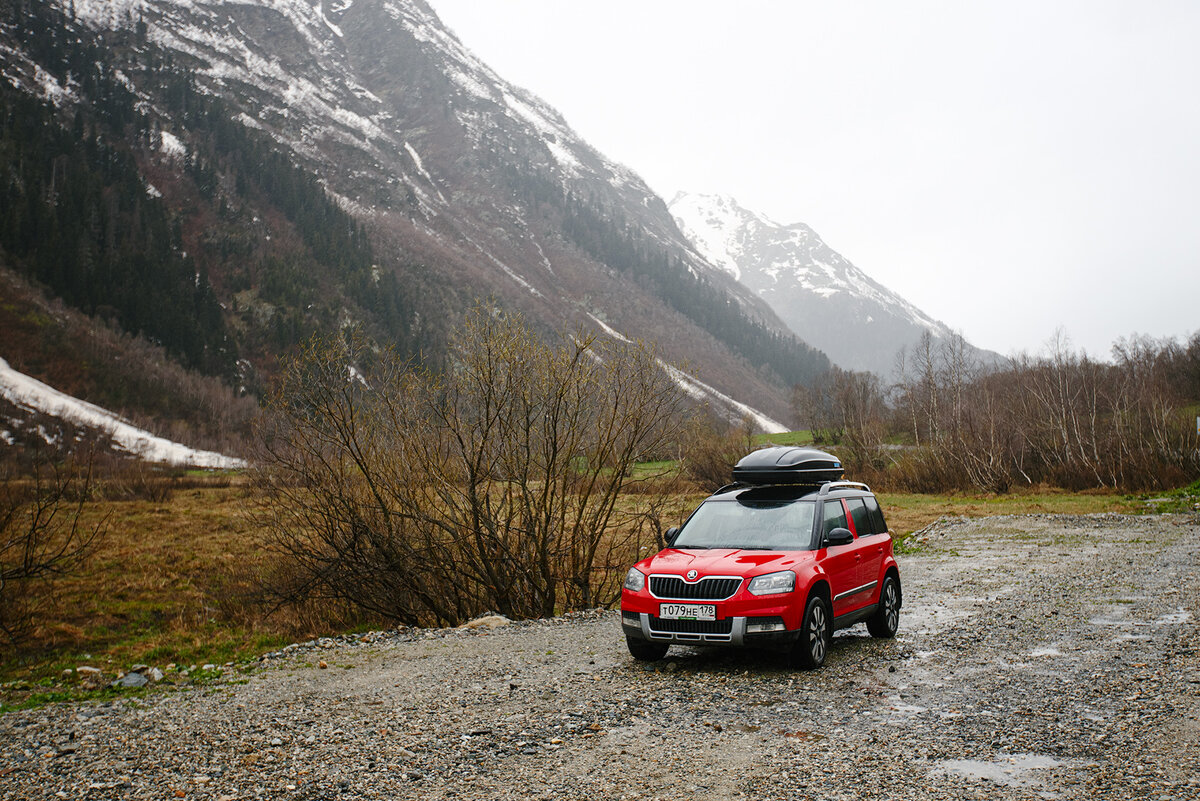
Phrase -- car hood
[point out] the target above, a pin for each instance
(720, 561)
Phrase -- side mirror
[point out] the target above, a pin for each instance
(839, 536)
(671, 534)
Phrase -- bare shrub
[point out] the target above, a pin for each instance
(816, 407)
(40, 537)
(712, 446)
(1060, 418)
(428, 498)
(132, 479)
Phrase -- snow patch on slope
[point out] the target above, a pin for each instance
(33, 395)
(700, 391)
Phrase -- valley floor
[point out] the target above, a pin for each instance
(1039, 657)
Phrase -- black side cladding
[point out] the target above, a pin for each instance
(787, 465)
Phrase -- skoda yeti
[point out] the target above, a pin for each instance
(780, 560)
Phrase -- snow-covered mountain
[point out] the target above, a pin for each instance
(827, 301)
(466, 185)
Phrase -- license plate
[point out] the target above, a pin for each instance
(687, 611)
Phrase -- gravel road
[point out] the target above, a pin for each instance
(1039, 657)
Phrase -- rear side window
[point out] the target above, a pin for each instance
(835, 516)
(879, 525)
(863, 525)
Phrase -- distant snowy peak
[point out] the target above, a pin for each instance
(767, 255)
(824, 298)
(715, 225)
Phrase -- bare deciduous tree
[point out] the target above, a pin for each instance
(712, 446)
(495, 486)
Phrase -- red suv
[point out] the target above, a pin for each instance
(780, 559)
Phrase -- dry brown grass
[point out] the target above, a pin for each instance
(908, 512)
(173, 580)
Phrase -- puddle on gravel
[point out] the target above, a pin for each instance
(1048, 650)
(1175, 618)
(1009, 771)
(899, 712)
(1117, 616)
(926, 619)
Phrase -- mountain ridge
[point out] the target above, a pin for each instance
(457, 184)
(823, 297)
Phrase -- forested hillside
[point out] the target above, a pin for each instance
(225, 183)
(217, 249)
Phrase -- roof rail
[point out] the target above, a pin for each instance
(829, 486)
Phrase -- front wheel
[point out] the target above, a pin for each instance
(646, 651)
(810, 650)
(886, 619)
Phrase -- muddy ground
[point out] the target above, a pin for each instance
(1038, 658)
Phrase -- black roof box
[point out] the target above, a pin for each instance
(787, 465)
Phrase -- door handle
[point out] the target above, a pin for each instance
(858, 557)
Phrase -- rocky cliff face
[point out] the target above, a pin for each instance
(463, 182)
(821, 295)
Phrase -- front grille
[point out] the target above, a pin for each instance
(709, 589)
(692, 626)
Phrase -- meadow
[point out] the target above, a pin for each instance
(177, 579)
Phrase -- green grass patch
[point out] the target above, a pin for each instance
(16, 699)
(1184, 499)
(786, 438)
(667, 468)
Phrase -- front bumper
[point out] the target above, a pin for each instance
(730, 631)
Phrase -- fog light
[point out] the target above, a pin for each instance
(631, 619)
(764, 624)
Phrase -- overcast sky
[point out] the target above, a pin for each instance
(1010, 167)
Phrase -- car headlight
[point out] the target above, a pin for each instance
(772, 583)
(634, 580)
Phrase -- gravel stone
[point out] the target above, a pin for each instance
(1038, 657)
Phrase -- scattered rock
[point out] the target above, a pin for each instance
(486, 622)
(131, 680)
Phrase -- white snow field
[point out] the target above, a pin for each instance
(32, 394)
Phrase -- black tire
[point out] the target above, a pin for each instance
(886, 619)
(816, 630)
(645, 650)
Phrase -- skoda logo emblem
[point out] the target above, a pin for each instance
(691, 575)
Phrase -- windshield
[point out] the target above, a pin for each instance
(757, 525)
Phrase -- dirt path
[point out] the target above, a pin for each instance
(1039, 657)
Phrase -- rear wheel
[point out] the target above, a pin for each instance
(810, 650)
(886, 619)
(646, 651)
